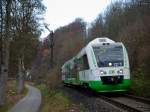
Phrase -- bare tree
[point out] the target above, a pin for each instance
(20, 76)
(5, 54)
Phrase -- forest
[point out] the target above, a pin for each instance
(127, 22)
(19, 37)
(21, 49)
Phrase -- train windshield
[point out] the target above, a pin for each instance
(109, 55)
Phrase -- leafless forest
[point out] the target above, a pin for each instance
(21, 50)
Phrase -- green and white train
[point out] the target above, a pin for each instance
(102, 65)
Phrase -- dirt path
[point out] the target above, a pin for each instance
(30, 103)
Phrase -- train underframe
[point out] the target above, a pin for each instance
(100, 86)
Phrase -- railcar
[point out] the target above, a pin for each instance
(102, 65)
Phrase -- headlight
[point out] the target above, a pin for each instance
(120, 71)
(110, 64)
(102, 72)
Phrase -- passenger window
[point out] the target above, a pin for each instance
(83, 63)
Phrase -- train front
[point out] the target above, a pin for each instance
(112, 72)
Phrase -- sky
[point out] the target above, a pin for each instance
(62, 12)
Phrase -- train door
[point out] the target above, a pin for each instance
(83, 67)
(74, 70)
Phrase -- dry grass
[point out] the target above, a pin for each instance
(53, 78)
(53, 100)
(12, 96)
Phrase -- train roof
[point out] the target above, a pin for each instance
(96, 41)
(101, 40)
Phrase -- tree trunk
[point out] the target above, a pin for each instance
(4, 75)
(5, 55)
(20, 76)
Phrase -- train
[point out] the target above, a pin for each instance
(102, 65)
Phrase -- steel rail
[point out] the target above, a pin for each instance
(141, 99)
(119, 104)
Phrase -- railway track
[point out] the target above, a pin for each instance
(141, 99)
(115, 102)
(128, 103)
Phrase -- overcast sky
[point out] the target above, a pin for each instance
(63, 12)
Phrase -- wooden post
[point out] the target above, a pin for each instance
(51, 46)
(51, 39)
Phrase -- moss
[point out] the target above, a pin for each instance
(4, 108)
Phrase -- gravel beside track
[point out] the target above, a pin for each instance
(91, 102)
(141, 99)
(95, 102)
(133, 103)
